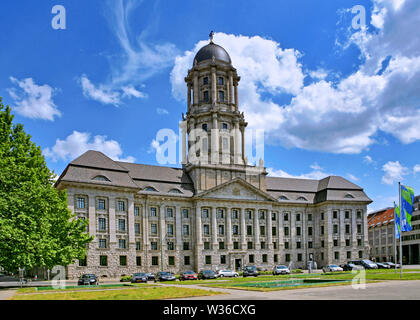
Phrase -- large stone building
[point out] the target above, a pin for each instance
(382, 232)
(216, 211)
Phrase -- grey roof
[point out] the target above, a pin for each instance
(212, 50)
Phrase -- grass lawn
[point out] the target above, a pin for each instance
(136, 293)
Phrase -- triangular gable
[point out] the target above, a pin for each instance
(237, 189)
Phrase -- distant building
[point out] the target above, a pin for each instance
(382, 232)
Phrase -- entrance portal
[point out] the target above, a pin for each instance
(238, 264)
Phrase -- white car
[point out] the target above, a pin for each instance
(332, 268)
(281, 270)
(226, 273)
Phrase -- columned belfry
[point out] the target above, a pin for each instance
(215, 150)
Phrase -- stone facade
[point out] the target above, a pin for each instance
(216, 212)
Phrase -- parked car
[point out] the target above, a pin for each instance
(382, 265)
(227, 273)
(207, 274)
(392, 265)
(165, 276)
(139, 277)
(351, 266)
(88, 280)
(367, 264)
(280, 270)
(188, 275)
(250, 271)
(150, 276)
(332, 268)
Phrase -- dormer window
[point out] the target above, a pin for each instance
(151, 189)
(175, 191)
(283, 198)
(349, 196)
(221, 81)
(101, 178)
(302, 199)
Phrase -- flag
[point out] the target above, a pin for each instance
(397, 221)
(407, 200)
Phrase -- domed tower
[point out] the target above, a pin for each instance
(215, 127)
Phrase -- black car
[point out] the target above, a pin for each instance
(165, 276)
(207, 274)
(150, 276)
(88, 280)
(139, 277)
(351, 266)
(250, 271)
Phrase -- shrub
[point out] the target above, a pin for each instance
(297, 271)
(125, 279)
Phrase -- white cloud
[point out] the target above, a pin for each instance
(394, 172)
(342, 117)
(319, 74)
(317, 173)
(416, 168)
(162, 111)
(34, 101)
(100, 93)
(368, 160)
(79, 142)
(352, 177)
(137, 61)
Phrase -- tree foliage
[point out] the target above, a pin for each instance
(36, 227)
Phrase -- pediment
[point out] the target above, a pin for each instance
(236, 189)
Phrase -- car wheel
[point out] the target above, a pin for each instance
(221, 276)
(235, 275)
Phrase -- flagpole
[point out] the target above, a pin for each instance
(395, 238)
(401, 229)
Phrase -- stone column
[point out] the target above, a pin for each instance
(342, 231)
(215, 141)
(178, 233)
(162, 227)
(198, 228)
(243, 144)
(214, 227)
(191, 142)
(229, 229)
(130, 227)
(183, 127)
(353, 230)
(237, 143)
(213, 85)
(257, 230)
(196, 90)
(230, 86)
(189, 96)
(243, 228)
(236, 96)
(270, 230)
(112, 222)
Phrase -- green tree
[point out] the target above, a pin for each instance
(36, 227)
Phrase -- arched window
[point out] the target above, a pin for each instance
(101, 178)
(302, 199)
(175, 191)
(204, 127)
(349, 196)
(151, 189)
(283, 198)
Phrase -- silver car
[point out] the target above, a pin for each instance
(281, 270)
(227, 273)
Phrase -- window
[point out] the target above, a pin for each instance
(262, 230)
(150, 189)
(221, 230)
(170, 229)
(310, 244)
(103, 261)
(81, 203)
(283, 198)
(171, 260)
(225, 126)
(208, 259)
(83, 262)
(121, 206)
(309, 231)
(322, 230)
(262, 215)
(262, 245)
(264, 258)
(101, 204)
(153, 229)
(137, 228)
(286, 231)
(298, 217)
(359, 228)
(169, 213)
(220, 214)
(138, 246)
(206, 229)
(249, 214)
(249, 230)
(335, 228)
(322, 243)
(186, 230)
(101, 178)
(121, 224)
(206, 97)
(206, 80)
(220, 81)
(286, 245)
(136, 211)
(206, 245)
(204, 127)
(221, 245)
(310, 217)
(347, 228)
(274, 231)
(186, 246)
(225, 144)
(348, 254)
(359, 215)
(251, 258)
(298, 245)
(155, 261)
(347, 215)
(153, 212)
(274, 245)
(185, 213)
(187, 260)
(138, 261)
(322, 255)
(121, 243)
(347, 242)
(335, 214)
(360, 254)
(221, 96)
(299, 257)
(286, 217)
(322, 215)
(335, 243)
(302, 199)
(273, 216)
(298, 232)
(236, 245)
(336, 255)
(123, 260)
(275, 258)
(235, 214)
(102, 243)
(250, 245)
(153, 245)
(102, 224)
(235, 230)
(359, 242)
(205, 213)
(287, 257)
(222, 259)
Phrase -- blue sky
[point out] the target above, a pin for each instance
(333, 99)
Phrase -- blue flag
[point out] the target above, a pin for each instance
(407, 201)
(397, 221)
